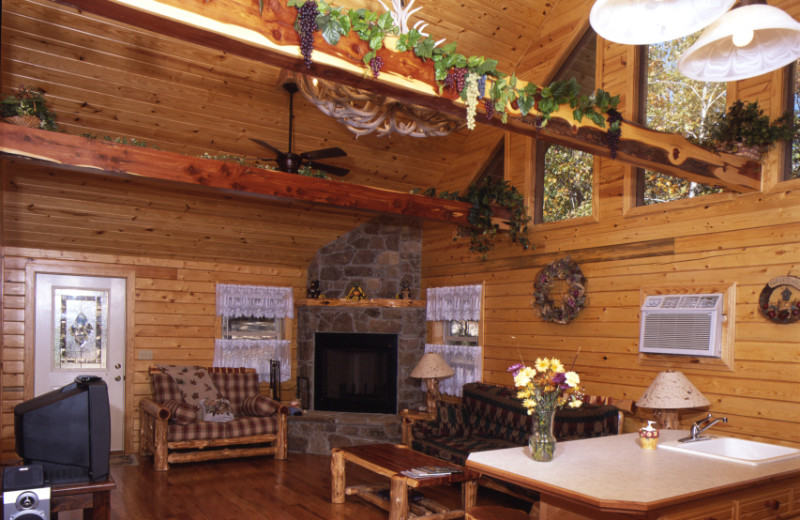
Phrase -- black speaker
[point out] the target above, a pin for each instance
(24, 494)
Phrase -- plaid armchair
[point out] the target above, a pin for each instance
(174, 431)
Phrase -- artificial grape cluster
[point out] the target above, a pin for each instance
(488, 107)
(482, 86)
(455, 79)
(614, 131)
(376, 63)
(306, 26)
(472, 99)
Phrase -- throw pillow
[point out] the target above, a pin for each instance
(180, 412)
(215, 410)
(194, 383)
(259, 406)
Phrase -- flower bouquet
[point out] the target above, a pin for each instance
(544, 388)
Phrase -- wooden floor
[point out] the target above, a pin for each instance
(298, 488)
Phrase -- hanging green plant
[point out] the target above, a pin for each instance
(484, 199)
(451, 68)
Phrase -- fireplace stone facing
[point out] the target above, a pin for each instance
(380, 256)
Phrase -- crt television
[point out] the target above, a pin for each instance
(67, 431)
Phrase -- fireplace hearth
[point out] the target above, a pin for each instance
(355, 372)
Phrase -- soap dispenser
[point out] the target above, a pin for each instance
(648, 436)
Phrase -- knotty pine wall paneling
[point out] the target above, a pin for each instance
(737, 240)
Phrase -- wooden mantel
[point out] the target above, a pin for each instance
(238, 27)
(69, 152)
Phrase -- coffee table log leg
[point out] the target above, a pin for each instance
(337, 476)
(469, 494)
(398, 495)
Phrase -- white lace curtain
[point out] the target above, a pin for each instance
(459, 302)
(465, 360)
(253, 353)
(258, 301)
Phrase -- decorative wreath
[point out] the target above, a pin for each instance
(573, 299)
(786, 308)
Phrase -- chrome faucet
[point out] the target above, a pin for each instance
(698, 428)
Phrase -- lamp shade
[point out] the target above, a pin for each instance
(745, 42)
(432, 365)
(671, 390)
(640, 22)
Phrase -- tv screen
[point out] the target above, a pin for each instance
(67, 431)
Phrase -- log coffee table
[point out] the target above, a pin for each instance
(390, 460)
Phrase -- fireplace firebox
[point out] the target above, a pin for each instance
(355, 372)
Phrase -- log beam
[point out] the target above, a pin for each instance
(69, 152)
(237, 27)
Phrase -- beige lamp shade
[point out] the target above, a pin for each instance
(432, 365)
(747, 41)
(671, 390)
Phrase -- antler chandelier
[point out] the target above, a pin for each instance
(366, 112)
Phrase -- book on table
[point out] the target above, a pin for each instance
(431, 471)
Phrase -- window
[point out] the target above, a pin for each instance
(676, 104)
(792, 168)
(461, 332)
(252, 328)
(564, 177)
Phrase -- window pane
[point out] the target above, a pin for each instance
(462, 332)
(567, 184)
(794, 163)
(252, 328)
(677, 104)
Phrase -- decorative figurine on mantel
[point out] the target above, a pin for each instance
(405, 292)
(313, 290)
(356, 294)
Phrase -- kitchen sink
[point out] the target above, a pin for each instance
(734, 450)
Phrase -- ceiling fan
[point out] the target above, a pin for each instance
(291, 162)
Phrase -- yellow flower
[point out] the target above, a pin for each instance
(572, 379)
(556, 365)
(529, 403)
(524, 393)
(523, 377)
(542, 364)
(575, 403)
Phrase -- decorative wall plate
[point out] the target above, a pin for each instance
(780, 299)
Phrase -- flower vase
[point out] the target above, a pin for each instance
(542, 441)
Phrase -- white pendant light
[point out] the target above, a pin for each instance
(641, 22)
(745, 42)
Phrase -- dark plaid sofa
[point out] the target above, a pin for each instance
(171, 431)
(491, 417)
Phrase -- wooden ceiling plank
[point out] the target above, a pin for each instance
(639, 146)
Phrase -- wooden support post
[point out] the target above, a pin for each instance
(398, 496)
(337, 476)
(469, 494)
(160, 445)
(280, 442)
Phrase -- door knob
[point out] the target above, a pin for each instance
(118, 378)
(117, 366)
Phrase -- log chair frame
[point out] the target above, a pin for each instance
(153, 439)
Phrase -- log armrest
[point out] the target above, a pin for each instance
(153, 408)
(407, 420)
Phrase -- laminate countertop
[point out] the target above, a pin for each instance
(616, 471)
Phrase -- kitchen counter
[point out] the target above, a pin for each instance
(614, 475)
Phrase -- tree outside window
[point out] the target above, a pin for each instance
(793, 162)
(676, 104)
(567, 184)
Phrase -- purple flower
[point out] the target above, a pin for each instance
(558, 378)
(515, 368)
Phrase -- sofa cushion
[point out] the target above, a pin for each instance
(259, 406)
(193, 383)
(587, 421)
(180, 412)
(494, 411)
(215, 410)
(198, 430)
(235, 385)
(244, 426)
(455, 448)
(165, 389)
(451, 420)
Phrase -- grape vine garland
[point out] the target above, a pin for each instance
(450, 67)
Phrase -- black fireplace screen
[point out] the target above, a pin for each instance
(355, 372)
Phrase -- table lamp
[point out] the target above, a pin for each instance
(431, 368)
(669, 392)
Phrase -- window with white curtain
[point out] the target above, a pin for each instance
(252, 328)
(457, 312)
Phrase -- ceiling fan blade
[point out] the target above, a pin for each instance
(266, 145)
(325, 153)
(327, 168)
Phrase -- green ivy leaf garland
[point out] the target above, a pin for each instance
(335, 22)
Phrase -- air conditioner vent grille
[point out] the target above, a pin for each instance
(682, 324)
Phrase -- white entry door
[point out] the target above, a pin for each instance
(80, 330)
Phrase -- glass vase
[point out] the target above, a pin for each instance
(542, 441)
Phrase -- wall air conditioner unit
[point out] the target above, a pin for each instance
(688, 324)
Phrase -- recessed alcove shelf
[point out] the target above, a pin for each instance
(341, 302)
